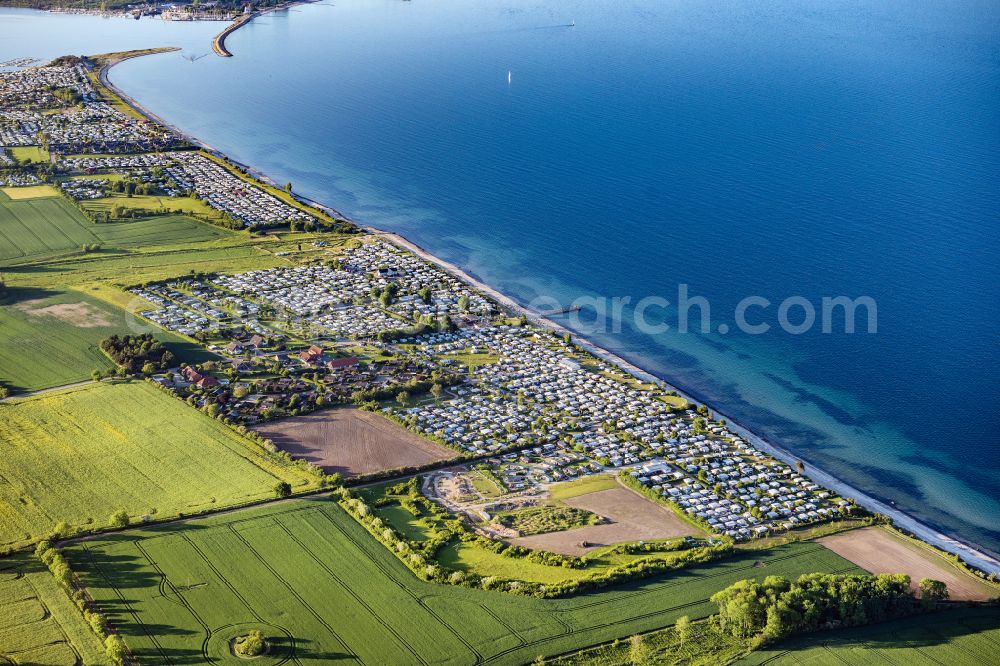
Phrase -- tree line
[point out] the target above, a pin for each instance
(777, 608)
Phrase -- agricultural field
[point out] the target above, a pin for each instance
(79, 455)
(352, 441)
(43, 227)
(38, 622)
(627, 516)
(956, 637)
(51, 338)
(29, 192)
(322, 589)
(702, 644)
(880, 551)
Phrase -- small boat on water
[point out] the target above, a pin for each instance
(508, 76)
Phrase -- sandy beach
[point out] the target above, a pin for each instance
(970, 553)
(967, 552)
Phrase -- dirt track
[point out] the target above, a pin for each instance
(878, 551)
(352, 442)
(631, 517)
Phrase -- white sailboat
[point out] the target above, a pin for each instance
(508, 76)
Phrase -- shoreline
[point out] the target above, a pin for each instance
(973, 554)
(219, 43)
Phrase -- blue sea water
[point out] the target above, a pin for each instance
(811, 148)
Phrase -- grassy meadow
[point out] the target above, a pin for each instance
(79, 455)
(28, 154)
(307, 575)
(956, 637)
(44, 227)
(38, 622)
(582, 486)
(51, 338)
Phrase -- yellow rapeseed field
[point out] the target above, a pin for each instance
(79, 455)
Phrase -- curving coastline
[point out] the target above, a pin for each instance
(219, 43)
(971, 553)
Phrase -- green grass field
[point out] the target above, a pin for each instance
(38, 622)
(52, 338)
(29, 154)
(957, 637)
(79, 455)
(42, 228)
(307, 574)
(582, 486)
(185, 205)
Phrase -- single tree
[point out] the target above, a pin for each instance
(639, 653)
(282, 489)
(114, 648)
(119, 519)
(932, 592)
(683, 629)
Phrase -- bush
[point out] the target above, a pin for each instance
(119, 519)
(114, 648)
(251, 645)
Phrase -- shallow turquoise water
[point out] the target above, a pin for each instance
(799, 148)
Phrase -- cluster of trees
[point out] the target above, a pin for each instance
(90, 247)
(66, 95)
(777, 608)
(56, 563)
(138, 353)
(251, 645)
(128, 187)
(425, 324)
(366, 397)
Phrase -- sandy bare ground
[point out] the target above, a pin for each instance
(631, 517)
(352, 442)
(879, 551)
(81, 315)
